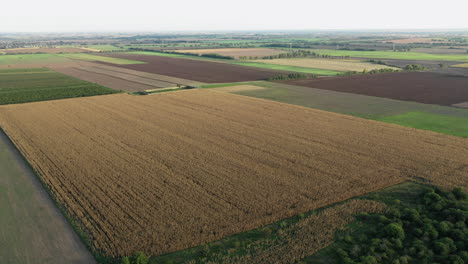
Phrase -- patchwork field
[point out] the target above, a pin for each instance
(395, 55)
(98, 58)
(123, 79)
(42, 50)
(198, 70)
(442, 119)
(29, 85)
(252, 63)
(328, 64)
(423, 87)
(417, 40)
(174, 170)
(236, 52)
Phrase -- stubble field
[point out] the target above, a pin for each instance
(328, 64)
(175, 170)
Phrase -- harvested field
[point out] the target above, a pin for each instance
(42, 50)
(328, 64)
(423, 87)
(34, 230)
(198, 70)
(448, 120)
(123, 79)
(175, 170)
(462, 105)
(236, 52)
(463, 65)
(104, 80)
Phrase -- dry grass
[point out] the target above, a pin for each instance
(463, 65)
(328, 64)
(170, 171)
(308, 236)
(236, 52)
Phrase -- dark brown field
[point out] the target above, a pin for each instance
(202, 71)
(423, 87)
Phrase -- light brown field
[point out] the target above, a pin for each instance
(236, 52)
(174, 170)
(463, 65)
(463, 105)
(328, 64)
(120, 78)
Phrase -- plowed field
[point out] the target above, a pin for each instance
(198, 70)
(169, 171)
(422, 87)
(236, 52)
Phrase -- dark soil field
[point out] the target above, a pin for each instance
(423, 87)
(203, 71)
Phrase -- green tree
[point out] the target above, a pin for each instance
(395, 230)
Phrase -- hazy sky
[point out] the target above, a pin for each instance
(146, 15)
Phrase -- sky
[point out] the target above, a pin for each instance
(218, 15)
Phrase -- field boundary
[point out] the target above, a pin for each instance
(74, 223)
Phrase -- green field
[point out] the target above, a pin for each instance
(90, 57)
(30, 59)
(442, 119)
(394, 55)
(439, 123)
(30, 85)
(244, 63)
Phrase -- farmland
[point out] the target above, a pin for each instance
(395, 55)
(42, 50)
(123, 79)
(197, 70)
(29, 85)
(448, 120)
(255, 64)
(92, 57)
(440, 123)
(267, 161)
(423, 87)
(462, 65)
(236, 53)
(30, 219)
(328, 64)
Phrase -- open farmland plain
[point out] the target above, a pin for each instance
(236, 52)
(423, 87)
(123, 79)
(29, 85)
(328, 64)
(175, 170)
(437, 118)
(42, 50)
(198, 70)
(394, 55)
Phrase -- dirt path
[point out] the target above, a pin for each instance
(33, 229)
